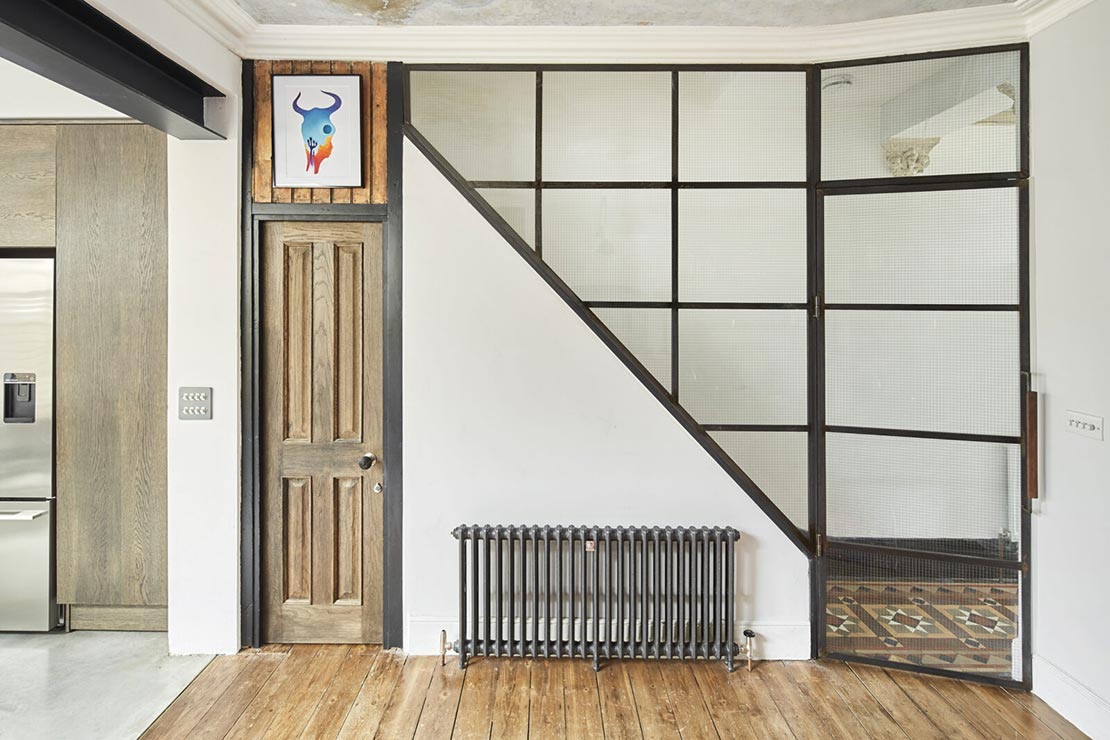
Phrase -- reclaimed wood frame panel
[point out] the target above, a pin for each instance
(373, 116)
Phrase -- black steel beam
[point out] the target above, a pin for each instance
(77, 46)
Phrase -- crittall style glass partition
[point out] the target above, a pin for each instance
(673, 202)
(925, 286)
(824, 266)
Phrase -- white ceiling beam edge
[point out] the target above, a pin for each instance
(935, 31)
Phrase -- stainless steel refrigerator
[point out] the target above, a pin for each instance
(27, 592)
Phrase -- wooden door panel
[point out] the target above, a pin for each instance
(297, 539)
(348, 540)
(323, 337)
(297, 319)
(322, 400)
(348, 342)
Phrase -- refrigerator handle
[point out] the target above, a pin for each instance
(21, 516)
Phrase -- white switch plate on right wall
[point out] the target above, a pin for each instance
(1085, 424)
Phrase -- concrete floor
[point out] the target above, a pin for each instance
(104, 685)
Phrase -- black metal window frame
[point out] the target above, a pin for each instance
(814, 542)
(803, 539)
(1017, 180)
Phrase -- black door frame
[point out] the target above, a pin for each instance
(253, 215)
(1018, 180)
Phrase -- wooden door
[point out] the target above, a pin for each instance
(322, 412)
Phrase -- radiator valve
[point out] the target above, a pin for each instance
(443, 647)
(749, 646)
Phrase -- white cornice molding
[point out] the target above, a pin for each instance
(949, 29)
(1040, 14)
(224, 20)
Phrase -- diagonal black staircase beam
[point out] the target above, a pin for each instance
(603, 333)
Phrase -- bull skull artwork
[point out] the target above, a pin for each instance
(317, 130)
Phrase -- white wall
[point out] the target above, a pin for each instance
(515, 413)
(1070, 117)
(203, 457)
(29, 96)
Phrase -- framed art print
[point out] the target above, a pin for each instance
(317, 131)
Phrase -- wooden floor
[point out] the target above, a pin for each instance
(340, 691)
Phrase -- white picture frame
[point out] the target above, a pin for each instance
(317, 131)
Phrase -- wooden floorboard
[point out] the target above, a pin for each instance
(340, 692)
(946, 719)
(1037, 707)
(619, 715)
(327, 719)
(441, 705)
(217, 721)
(546, 703)
(911, 720)
(691, 713)
(368, 709)
(510, 706)
(580, 694)
(198, 697)
(843, 687)
(479, 697)
(407, 701)
(727, 714)
(653, 706)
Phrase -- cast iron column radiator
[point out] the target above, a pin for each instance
(597, 592)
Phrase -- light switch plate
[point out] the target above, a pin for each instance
(194, 404)
(1085, 424)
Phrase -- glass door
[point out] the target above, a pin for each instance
(922, 268)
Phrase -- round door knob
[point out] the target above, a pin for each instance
(367, 461)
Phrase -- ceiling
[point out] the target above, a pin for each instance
(769, 13)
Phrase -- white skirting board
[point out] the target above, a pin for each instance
(773, 641)
(1078, 704)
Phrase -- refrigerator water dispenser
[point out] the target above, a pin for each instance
(19, 398)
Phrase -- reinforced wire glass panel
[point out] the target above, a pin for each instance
(939, 247)
(646, 332)
(610, 244)
(517, 206)
(743, 366)
(936, 371)
(742, 126)
(742, 245)
(940, 116)
(778, 462)
(610, 126)
(951, 496)
(483, 123)
(924, 612)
